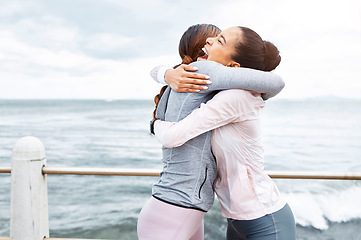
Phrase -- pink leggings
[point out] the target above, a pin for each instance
(162, 221)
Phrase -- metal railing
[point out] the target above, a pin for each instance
(29, 218)
(155, 173)
(5, 169)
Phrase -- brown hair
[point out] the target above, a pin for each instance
(190, 48)
(157, 99)
(254, 52)
(194, 39)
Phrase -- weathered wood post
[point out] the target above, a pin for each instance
(29, 194)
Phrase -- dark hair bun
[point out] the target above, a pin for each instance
(272, 56)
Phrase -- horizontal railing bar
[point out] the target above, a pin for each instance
(102, 171)
(156, 172)
(71, 239)
(5, 169)
(315, 175)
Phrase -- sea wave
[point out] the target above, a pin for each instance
(320, 209)
(299, 136)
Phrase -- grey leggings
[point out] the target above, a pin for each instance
(276, 226)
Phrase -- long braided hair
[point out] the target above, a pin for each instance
(190, 48)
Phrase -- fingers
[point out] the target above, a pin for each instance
(189, 90)
(195, 76)
(190, 87)
(187, 74)
(188, 67)
(181, 80)
(196, 82)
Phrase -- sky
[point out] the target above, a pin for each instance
(91, 49)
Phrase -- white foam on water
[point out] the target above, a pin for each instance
(317, 210)
(342, 206)
(306, 210)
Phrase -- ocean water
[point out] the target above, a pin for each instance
(309, 135)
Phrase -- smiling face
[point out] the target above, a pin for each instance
(221, 48)
(192, 41)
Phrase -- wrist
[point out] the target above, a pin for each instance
(165, 76)
(161, 74)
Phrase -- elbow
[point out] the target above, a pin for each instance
(170, 141)
(164, 141)
(167, 141)
(153, 73)
(170, 144)
(166, 135)
(282, 84)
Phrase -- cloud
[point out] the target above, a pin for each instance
(105, 49)
(29, 71)
(320, 46)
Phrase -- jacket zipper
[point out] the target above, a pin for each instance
(204, 181)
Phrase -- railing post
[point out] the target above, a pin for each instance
(29, 194)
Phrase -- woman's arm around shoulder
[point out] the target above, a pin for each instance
(225, 107)
(222, 77)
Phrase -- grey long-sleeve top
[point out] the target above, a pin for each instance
(190, 170)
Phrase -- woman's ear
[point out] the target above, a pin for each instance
(233, 64)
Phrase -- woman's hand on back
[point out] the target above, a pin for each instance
(181, 79)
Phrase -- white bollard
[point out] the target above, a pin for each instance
(29, 195)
